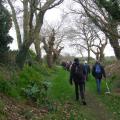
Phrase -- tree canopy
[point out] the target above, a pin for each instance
(113, 7)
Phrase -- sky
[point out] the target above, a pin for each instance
(52, 16)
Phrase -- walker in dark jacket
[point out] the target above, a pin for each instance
(78, 81)
(98, 76)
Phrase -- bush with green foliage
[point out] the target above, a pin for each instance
(30, 83)
(112, 7)
(34, 82)
(5, 25)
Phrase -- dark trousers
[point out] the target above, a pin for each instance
(79, 90)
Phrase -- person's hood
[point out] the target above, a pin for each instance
(77, 62)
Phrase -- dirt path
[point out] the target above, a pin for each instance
(98, 108)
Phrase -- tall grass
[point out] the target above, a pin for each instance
(31, 81)
(61, 89)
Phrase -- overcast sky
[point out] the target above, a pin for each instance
(52, 16)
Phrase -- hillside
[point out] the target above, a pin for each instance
(59, 104)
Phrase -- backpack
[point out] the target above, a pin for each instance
(79, 71)
(98, 69)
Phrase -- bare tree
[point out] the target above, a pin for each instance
(33, 14)
(82, 35)
(98, 49)
(104, 21)
(85, 35)
(52, 44)
(57, 31)
(58, 47)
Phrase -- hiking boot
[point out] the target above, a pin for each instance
(84, 103)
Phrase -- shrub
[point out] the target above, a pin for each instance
(36, 92)
(30, 83)
(33, 83)
(5, 39)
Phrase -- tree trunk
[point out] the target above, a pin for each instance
(88, 60)
(37, 39)
(38, 50)
(50, 56)
(22, 54)
(116, 47)
(55, 56)
(26, 20)
(101, 56)
(17, 29)
(114, 40)
(97, 56)
(49, 59)
(21, 57)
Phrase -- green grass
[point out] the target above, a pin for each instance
(62, 97)
(110, 101)
(113, 104)
(61, 89)
(19, 81)
(61, 102)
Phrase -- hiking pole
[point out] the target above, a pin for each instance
(108, 89)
